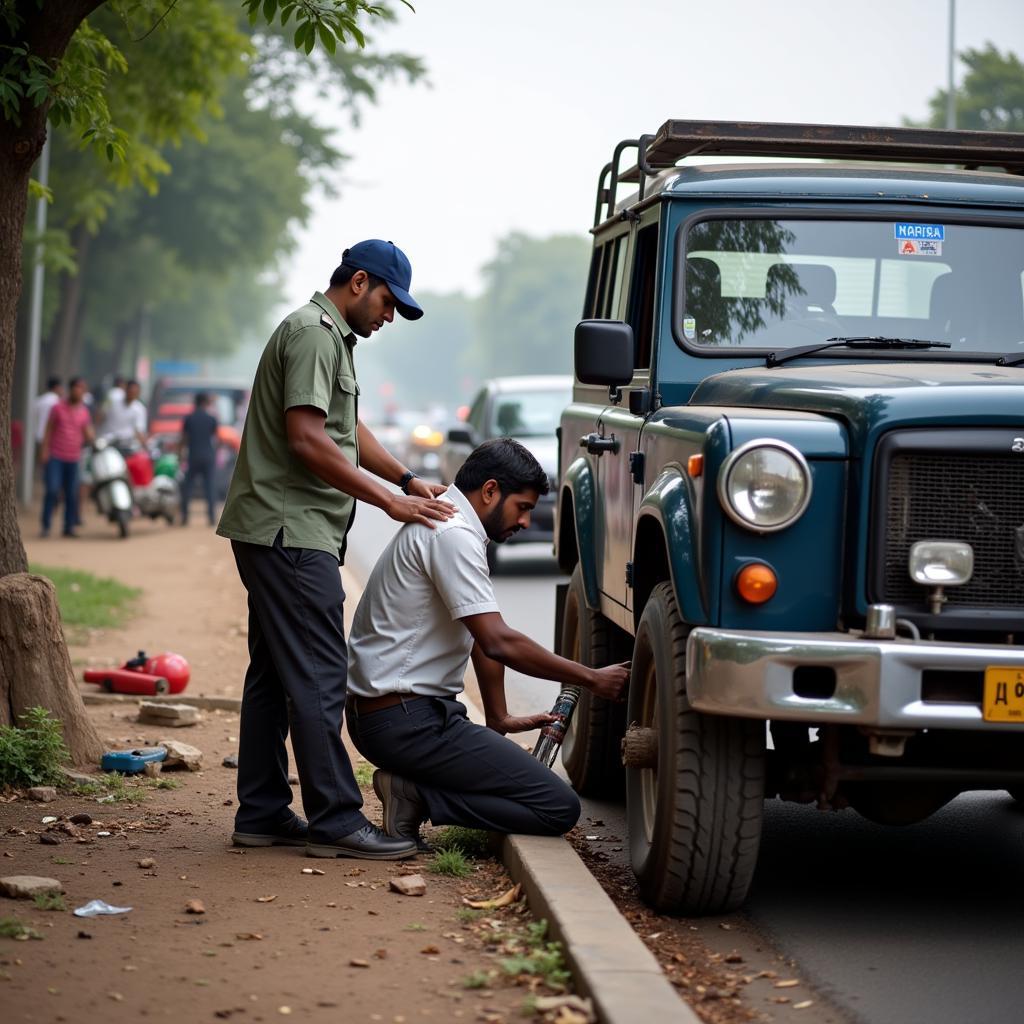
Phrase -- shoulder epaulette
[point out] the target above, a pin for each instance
(326, 321)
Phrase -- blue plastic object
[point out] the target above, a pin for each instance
(131, 761)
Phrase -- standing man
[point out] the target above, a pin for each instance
(68, 428)
(124, 422)
(428, 606)
(198, 433)
(42, 405)
(292, 497)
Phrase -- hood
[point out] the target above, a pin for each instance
(544, 450)
(871, 398)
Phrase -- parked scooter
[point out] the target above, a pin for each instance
(154, 476)
(111, 487)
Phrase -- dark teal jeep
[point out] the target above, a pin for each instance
(792, 486)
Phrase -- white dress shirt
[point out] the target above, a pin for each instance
(406, 635)
(124, 421)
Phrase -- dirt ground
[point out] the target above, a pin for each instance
(271, 941)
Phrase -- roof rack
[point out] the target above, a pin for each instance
(678, 139)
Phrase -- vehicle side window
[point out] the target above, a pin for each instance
(606, 279)
(594, 283)
(476, 414)
(640, 310)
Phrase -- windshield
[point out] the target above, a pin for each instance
(775, 284)
(528, 413)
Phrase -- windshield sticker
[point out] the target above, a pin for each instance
(689, 328)
(919, 247)
(920, 232)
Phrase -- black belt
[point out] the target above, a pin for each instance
(366, 705)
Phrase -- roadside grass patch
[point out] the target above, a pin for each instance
(32, 753)
(416, 926)
(364, 774)
(87, 601)
(162, 783)
(12, 928)
(467, 915)
(49, 901)
(473, 842)
(478, 979)
(451, 862)
(534, 954)
(115, 788)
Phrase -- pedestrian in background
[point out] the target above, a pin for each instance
(299, 472)
(124, 420)
(68, 428)
(198, 433)
(43, 404)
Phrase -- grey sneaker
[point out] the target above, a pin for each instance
(404, 809)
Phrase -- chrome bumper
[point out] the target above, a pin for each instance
(878, 682)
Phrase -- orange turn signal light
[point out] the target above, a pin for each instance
(756, 583)
(695, 465)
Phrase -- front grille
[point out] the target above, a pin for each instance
(977, 497)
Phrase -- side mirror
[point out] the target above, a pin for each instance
(604, 352)
(460, 435)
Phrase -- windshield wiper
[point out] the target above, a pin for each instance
(865, 341)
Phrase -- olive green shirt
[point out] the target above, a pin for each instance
(308, 361)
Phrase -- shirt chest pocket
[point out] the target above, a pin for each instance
(345, 405)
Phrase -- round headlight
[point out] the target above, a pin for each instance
(765, 485)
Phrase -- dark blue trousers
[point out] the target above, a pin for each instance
(58, 476)
(298, 672)
(467, 774)
(195, 471)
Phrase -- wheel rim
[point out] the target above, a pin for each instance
(649, 776)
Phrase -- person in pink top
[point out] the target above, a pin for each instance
(67, 430)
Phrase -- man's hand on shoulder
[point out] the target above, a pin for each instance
(610, 681)
(418, 488)
(521, 723)
(412, 509)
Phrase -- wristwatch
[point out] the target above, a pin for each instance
(407, 477)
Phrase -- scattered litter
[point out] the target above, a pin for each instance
(249, 936)
(313, 871)
(356, 962)
(570, 1008)
(803, 1005)
(49, 819)
(266, 899)
(504, 900)
(787, 983)
(408, 885)
(95, 908)
(195, 907)
(103, 833)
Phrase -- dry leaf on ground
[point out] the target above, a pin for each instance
(504, 900)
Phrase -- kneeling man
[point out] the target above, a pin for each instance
(428, 606)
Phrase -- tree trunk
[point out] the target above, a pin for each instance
(35, 670)
(34, 665)
(64, 348)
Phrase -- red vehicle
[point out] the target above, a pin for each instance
(164, 673)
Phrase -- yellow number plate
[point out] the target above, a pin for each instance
(1004, 694)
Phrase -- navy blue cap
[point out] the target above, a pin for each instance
(385, 260)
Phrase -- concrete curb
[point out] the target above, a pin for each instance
(608, 960)
(209, 703)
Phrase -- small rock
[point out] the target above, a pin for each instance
(84, 935)
(231, 761)
(313, 871)
(357, 962)
(44, 794)
(147, 862)
(26, 887)
(49, 819)
(195, 907)
(81, 819)
(408, 885)
(79, 778)
(181, 755)
(151, 769)
(49, 839)
(173, 715)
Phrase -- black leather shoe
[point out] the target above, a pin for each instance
(367, 843)
(292, 833)
(404, 809)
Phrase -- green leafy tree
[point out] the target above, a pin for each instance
(991, 96)
(530, 305)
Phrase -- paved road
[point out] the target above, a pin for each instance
(920, 925)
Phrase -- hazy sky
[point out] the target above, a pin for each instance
(527, 99)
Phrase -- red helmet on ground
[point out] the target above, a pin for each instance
(172, 667)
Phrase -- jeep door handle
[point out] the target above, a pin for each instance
(597, 445)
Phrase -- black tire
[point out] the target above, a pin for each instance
(695, 820)
(121, 516)
(107, 686)
(1017, 793)
(590, 750)
(161, 686)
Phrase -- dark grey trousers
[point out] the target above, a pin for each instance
(296, 680)
(467, 774)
